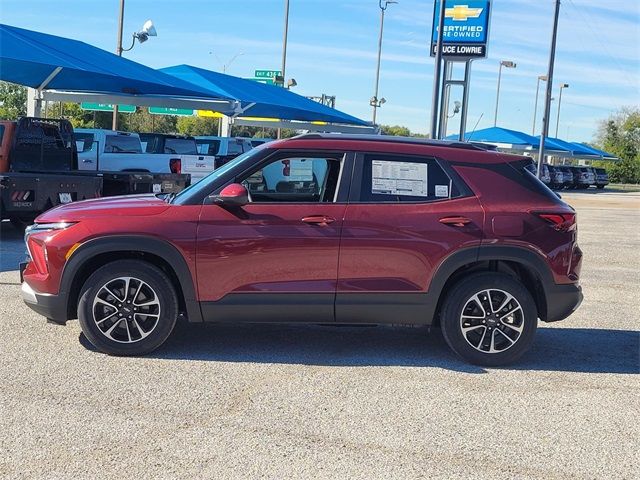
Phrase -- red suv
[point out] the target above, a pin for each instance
(319, 229)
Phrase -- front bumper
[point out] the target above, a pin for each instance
(53, 307)
(562, 301)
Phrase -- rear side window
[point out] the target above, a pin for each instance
(184, 146)
(1, 133)
(208, 147)
(235, 147)
(396, 179)
(528, 170)
(122, 144)
(84, 141)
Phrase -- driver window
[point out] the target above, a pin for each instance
(295, 179)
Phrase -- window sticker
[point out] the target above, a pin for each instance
(399, 178)
(300, 170)
(442, 190)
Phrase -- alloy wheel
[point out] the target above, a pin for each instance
(126, 309)
(492, 321)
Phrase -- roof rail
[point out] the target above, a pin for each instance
(395, 139)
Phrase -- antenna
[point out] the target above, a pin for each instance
(474, 128)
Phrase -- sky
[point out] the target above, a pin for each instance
(332, 49)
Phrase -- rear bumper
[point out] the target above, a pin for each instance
(53, 307)
(562, 301)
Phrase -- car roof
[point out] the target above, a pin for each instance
(449, 150)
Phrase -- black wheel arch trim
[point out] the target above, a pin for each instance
(533, 261)
(137, 243)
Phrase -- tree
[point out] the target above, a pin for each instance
(13, 101)
(620, 135)
(395, 130)
(197, 125)
(143, 121)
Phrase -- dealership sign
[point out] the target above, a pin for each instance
(466, 28)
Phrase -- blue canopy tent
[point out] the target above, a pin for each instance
(260, 100)
(512, 140)
(43, 61)
(575, 149)
(61, 69)
(601, 153)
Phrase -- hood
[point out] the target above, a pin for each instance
(123, 206)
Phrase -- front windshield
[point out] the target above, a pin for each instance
(204, 185)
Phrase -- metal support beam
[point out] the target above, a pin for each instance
(465, 100)
(436, 73)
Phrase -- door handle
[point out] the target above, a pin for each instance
(455, 221)
(320, 220)
(86, 160)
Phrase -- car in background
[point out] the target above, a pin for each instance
(545, 176)
(567, 176)
(556, 177)
(223, 149)
(320, 229)
(602, 177)
(583, 177)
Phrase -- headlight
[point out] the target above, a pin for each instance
(42, 228)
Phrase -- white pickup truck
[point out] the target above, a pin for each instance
(114, 151)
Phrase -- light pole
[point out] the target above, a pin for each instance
(562, 85)
(148, 30)
(375, 102)
(535, 107)
(506, 64)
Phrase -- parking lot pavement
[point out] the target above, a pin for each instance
(329, 402)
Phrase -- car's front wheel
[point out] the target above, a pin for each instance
(128, 307)
(489, 319)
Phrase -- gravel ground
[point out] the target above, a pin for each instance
(326, 402)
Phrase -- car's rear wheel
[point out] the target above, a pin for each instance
(128, 307)
(489, 319)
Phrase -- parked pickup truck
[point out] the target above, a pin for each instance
(38, 169)
(184, 148)
(115, 151)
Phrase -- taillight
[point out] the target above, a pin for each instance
(562, 222)
(175, 165)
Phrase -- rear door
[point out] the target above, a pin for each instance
(276, 258)
(406, 214)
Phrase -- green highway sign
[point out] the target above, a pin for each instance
(270, 74)
(107, 107)
(266, 81)
(170, 111)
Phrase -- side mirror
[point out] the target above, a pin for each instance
(233, 195)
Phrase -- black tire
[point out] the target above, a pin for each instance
(158, 288)
(600, 187)
(452, 323)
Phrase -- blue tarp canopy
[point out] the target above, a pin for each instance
(510, 139)
(595, 151)
(577, 150)
(39, 60)
(260, 100)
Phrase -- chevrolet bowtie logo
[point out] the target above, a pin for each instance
(462, 12)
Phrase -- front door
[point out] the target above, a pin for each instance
(276, 258)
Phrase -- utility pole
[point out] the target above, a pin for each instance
(547, 100)
(507, 64)
(114, 121)
(437, 72)
(284, 51)
(375, 101)
(562, 86)
(535, 107)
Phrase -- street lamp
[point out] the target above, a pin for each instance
(535, 108)
(375, 102)
(148, 30)
(562, 85)
(506, 64)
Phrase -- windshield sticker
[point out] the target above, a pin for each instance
(399, 178)
(442, 190)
